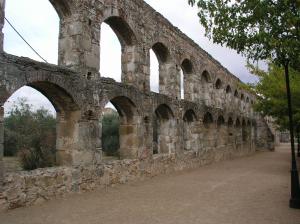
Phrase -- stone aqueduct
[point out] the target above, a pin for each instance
(215, 121)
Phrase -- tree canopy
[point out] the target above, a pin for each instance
(259, 29)
(271, 92)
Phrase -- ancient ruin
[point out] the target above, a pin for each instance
(214, 122)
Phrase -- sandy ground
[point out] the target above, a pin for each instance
(251, 190)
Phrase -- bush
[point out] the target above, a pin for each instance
(30, 135)
(110, 134)
(36, 158)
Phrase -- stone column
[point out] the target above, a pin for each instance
(1, 144)
(79, 44)
(169, 79)
(2, 14)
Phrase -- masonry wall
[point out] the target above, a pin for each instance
(214, 122)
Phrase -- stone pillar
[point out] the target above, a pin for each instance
(132, 68)
(1, 144)
(88, 150)
(79, 44)
(2, 14)
(169, 79)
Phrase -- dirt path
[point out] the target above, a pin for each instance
(252, 190)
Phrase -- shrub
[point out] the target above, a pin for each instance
(30, 135)
(110, 134)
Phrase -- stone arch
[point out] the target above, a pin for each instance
(230, 124)
(165, 64)
(62, 7)
(206, 77)
(190, 133)
(163, 130)
(130, 121)
(247, 100)
(189, 85)
(221, 132)
(242, 96)
(244, 131)
(220, 121)
(209, 130)
(218, 84)
(122, 29)
(228, 89)
(68, 114)
(218, 93)
(236, 93)
(129, 48)
(205, 86)
(237, 123)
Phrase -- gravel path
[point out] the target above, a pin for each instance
(251, 190)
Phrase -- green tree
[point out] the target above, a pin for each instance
(271, 92)
(30, 135)
(110, 134)
(259, 29)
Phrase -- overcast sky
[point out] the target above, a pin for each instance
(38, 22)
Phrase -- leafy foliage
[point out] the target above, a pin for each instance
(110, 134)
(271, 90)
(259, 29)
(30, 135)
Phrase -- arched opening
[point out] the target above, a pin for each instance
(245, 134)
(218, 84)
(120, 124)
(236, 93)
(42, 19)
(222, 132)
(163, 130)
(219, 94)
(242, 97)
(247, 100)
(110, 54)
(205, 87)
(154, 72)
(230, 131)
(163, 56)
(117, 54)
(39, 128)
(182, 85)
(190, 135)
(238, 137)
(186, 79)
(209, 131)
(228, 89)
(110, 138)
